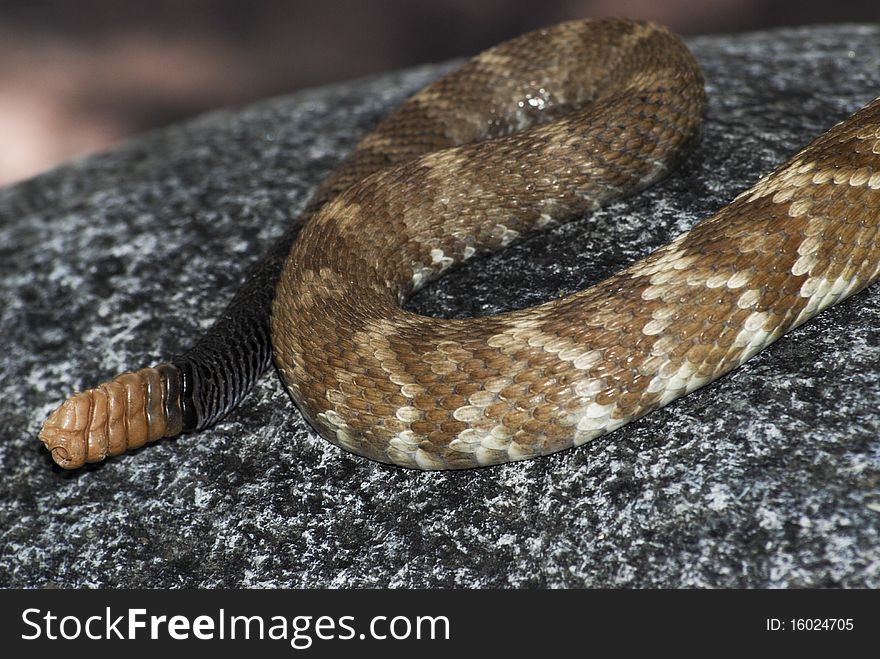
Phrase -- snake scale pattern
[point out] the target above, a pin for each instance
(535, 131)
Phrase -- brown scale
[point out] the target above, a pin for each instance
(756, 239)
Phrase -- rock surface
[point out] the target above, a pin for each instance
(769, 477)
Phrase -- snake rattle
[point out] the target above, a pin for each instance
(532, 132)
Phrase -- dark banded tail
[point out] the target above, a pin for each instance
(189, 393)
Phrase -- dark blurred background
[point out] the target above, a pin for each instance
(75, 77)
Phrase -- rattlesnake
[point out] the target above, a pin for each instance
(536, 130)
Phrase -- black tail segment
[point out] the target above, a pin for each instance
(228, 359)
(232, 354)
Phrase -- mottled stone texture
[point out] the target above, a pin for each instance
(768, 477)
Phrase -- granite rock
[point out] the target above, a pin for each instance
(769, 477)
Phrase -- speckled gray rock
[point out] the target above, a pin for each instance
(769, 477)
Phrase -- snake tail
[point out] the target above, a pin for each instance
(188, 393)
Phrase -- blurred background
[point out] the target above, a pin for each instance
(77, 77)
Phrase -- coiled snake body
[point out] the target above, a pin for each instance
(534, 131)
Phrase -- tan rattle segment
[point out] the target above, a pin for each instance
(125, 413)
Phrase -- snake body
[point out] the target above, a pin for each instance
(532, 132)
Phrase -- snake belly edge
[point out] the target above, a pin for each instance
(530, 133)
